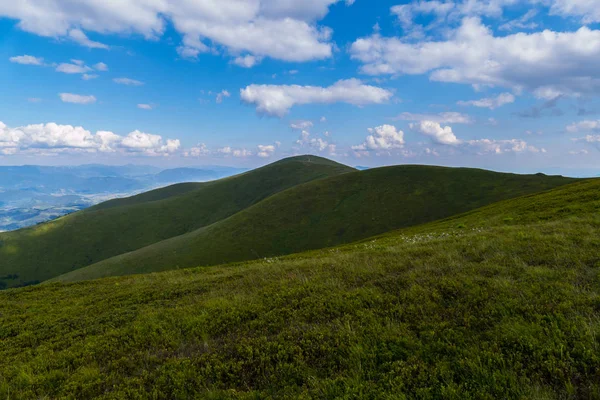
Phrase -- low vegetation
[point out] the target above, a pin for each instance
(502, 302)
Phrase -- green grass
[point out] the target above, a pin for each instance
(502, 302)
(83, 238)
(324, 213)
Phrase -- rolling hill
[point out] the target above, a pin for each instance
(500, 302)
(86, 237)
(324, 213)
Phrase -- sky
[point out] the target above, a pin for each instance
(509, 85)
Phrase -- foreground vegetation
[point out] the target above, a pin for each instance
(503, 302)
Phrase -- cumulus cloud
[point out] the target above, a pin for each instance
(545, 62)
(285, 30)
(490, 102)
(439, 134)
(265, 151)
(53, 138)
(27, 60)
(384, 137)
(128, 82)
(77, 98)
(197, 151)
(587, 10)
(442, 118)
(247, 61)
(277, 100)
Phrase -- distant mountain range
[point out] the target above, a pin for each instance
(32, 194)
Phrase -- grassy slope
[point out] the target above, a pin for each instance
(503, 302)
(326, 213)
(83, 238)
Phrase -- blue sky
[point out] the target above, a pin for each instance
(509, 85)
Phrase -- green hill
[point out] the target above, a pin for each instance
(501, 302)
(325, 213)
(83, 238)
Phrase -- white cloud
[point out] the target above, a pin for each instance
(385, 137)
(586, 9)
(197, 151)
(558, 61)
(128, 82)
(27, 60)
(265, 151)
(281, 29)
(101, 67)
(317, 144)
(247, 61)
(301, 125)
(486, 146)
(52, 138)
(145, 106)
(76, 98)
(524, 22)
(149, 144)
(74, 68)
(222, 95)
(442, 118)
(88, 77)
(78, 36)
(323, 119)
(490, 102)
(439, 134)
(277, 100)
(584, 126)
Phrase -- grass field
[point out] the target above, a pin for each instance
(501, 302)
(83, 238)
(324, 213)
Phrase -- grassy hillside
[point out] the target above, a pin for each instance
(327, 212)
(86, 237)
(502, 302)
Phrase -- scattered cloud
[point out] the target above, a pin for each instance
(145, 106)
(222, 95)
(547, 108)
(524, 22)
(76, 98)
(301, 125)
(52, 138)
(74, 68)
(128, 82)
(265, 151)
(197, 151)
(247, 61)
(442, 118)
(486, 146)
(78, 36)
(384, 137)
(439, 134)
(283, 30)
(490, 102)
(548, 62)
(27, 60)
(88, 77)
(101, 67)
(584, 126)
(277, 100)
